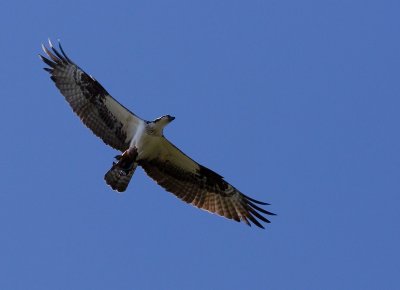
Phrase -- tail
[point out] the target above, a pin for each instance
(120, 174)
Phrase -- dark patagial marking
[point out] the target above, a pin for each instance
(92, 88)
(212, 178)
(95, 93)
(199, 189)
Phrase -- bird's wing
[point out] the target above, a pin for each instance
(200, 186)
(100, 112)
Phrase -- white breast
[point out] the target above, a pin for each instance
(146, 144)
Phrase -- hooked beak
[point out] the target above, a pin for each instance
(171, 118)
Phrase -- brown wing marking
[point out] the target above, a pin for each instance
(207, 190)
(107, 118)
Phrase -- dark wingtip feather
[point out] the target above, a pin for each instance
(244, 219)
(52, 56)
(57, 53)
(254, 200)
(47, 61)
(62, 51)
(255, 221)
(258, 215)
(43, 48)
(255, 212)
(259, 208)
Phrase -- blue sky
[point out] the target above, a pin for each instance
(296, 103)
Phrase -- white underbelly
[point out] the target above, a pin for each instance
(145, 144)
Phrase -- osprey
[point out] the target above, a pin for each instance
(143, 143)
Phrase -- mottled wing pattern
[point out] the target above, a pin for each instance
(202, 187)
(101, 113)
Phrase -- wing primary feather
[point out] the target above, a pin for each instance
(259, 208)
(254, 221)
(62, 58)
(257, 214)
(52, 56)
(47, 61)
(245, 220)
(254, 200)
(64, 54)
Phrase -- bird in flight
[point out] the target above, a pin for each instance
(143, 143)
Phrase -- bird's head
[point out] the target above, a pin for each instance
(159, 124)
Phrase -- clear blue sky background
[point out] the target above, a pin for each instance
(295, 102)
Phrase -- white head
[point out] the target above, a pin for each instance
(157, 126)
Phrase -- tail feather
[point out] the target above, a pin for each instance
(118, 178)
(120, 174)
